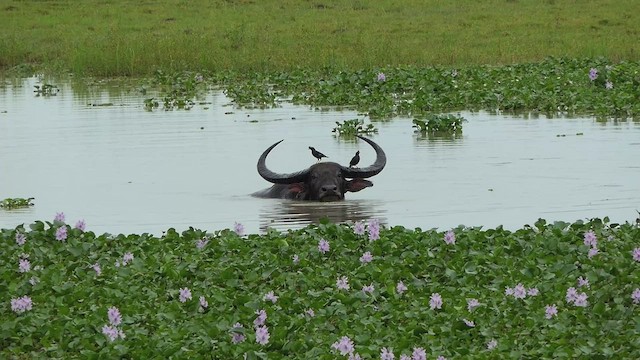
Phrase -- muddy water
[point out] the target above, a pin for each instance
(125, 170)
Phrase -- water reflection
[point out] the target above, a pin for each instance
(287, 214)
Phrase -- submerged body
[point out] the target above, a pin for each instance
(327, 181)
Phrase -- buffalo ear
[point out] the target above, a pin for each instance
(295, 190)
(356, 185)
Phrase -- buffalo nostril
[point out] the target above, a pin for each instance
(329, 188)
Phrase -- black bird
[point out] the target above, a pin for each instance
(316, 154)
(355, 159)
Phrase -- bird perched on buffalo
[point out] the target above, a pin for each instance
(316, 154)
(355, 159)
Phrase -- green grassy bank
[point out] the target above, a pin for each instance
(135, 38)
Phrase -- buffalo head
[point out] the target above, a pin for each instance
(325, 181)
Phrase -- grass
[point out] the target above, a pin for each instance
(134, 38)
(142, 276)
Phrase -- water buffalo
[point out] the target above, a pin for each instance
(325, 181)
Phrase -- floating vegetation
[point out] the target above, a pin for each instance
(544, 291)
(435, 124)
(46, 90)
(16, 203)
(353, 127)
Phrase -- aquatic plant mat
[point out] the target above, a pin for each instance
(556, 290)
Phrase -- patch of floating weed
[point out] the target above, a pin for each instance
(436, 124)
(16, 203)
(353, 127)
(46, 90)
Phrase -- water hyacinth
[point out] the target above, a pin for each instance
(262, 335)
(419, 354)
(21, 304)
(374, 229)
(358, 228)
(532, 292)
(127, 258)
(34, 280)
(262, 317)
(519, 292)
(492, 344)
(366, 257)
(24, 266)
(635, 296)
(203, 303)
(550, 311)
(450, 237)
(61, 233)
(636, 254)
(583, 282)
(237, 337)
(593, 252)
(382, 76)
(114, 316)
(97, 269)
(21, 238)
(368, 289)
(593, 74)
(401, 287)
(386, 354)
(344, 345)
(590, 239)
(435, 301)
(472, 304)
(323, 246)
(270, 296)
(469, 323)
(201, 243)
(238, 228)
(59, 217)
(342, 283)
(441, 358)
(310, 313)
(185, 294)
(608, 85)
(296, 259)
(111, 332)
(81, 225)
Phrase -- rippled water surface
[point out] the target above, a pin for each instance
(127, 170)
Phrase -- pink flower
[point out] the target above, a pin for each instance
(310, 313)
(366, 257)
(358, 228)
(296, 259)
(472, 304)
(368, 289)
(20, 238)
(203, 302)
(61, 233)
(270, 296)
(201, 243)
(581, 300)
(59, 217)
(262, 317)
(551, 311)
(24, 266)
(21, 304)
(114, 316)
(262, 335)
(127, 258)
(419, 354)
(435, 301)
(572, 295)
(401, 287)
(450, 237)
(374, 229)
(386, 354)
(237, 337)
(583, 282)
(344, 345)
(111, 332)
(33, 281)
(343, 283)
(323, 246)
(238, 228)
(441, 358)
(354, 357)
(185, 294)
(508, 291)
(382, 76)
(593, 252)
(519, 292)
(97, 269)
(593, 74)
(492, 344)
(469, 323)
(532, 292)
(636, 254)
(608, 85)
(81, 225)
(635, 296)
(590, 239)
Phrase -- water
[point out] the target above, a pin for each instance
(125, 170)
